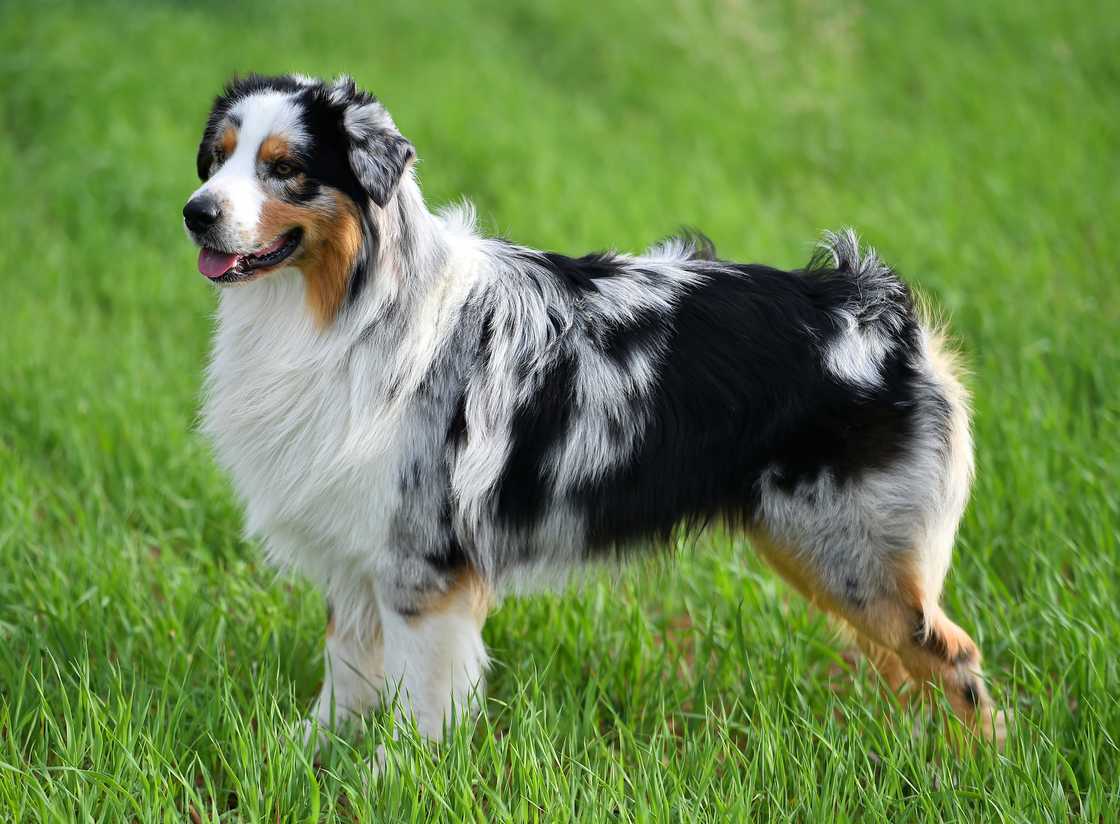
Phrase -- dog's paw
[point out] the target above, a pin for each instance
(311, 735)
(994, 726)
(376, 767)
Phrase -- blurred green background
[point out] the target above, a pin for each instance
(150, 664)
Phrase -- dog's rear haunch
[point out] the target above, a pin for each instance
(420, 418)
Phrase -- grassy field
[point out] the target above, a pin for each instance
(150, 664)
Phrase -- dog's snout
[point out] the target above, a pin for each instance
(201, 213)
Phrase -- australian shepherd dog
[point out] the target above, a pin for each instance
(420, 418)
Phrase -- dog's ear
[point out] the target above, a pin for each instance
(379, 162)
(379, 154)
(205, 158)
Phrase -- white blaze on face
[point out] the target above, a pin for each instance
(237, 184)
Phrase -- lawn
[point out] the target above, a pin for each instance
(151, 665)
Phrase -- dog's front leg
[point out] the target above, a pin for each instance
(434, 656)
(353, 669)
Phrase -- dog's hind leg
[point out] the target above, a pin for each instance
(884, 661)
(900, 622)
(935, 650)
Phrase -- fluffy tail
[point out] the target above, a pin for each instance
(879, 298)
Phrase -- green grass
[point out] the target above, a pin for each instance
(150, 664)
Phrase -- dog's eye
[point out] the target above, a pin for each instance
(284, 169)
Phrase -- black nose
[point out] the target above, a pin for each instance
(201, 213)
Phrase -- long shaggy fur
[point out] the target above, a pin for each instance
(476, 411)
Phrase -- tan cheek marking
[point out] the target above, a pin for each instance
(274, 148)
(278, 216)
(228, 141)
(330, 261)
(331, 240)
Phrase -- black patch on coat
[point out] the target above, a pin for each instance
(537, 427)
(326, 158)
(742, 389)
(451, 559)
(457, 429)
(621, 340)
(853, 592)
(578, 275)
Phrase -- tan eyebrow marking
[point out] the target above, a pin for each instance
(273, 149)
(228, 141)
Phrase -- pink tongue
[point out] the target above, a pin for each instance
(214, 264)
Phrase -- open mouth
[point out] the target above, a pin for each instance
(228, 267)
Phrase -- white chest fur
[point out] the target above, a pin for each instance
(314, 425)
(300, 420)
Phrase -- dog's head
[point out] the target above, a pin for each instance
(292, 169)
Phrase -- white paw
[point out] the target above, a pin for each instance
(377, 767)
(311, 734)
